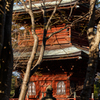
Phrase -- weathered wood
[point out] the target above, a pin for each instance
(64, 37)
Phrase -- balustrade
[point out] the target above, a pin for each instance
(63, 37)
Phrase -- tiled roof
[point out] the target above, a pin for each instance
(19, 8)
(53, 53)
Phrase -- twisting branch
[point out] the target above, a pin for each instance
(43, 45)
(72, 10)
(97, 38)
(30, 4)
(52, 14)
(33, 54)
(77, 20)
(44, 36)
(15, 65)
(54, 23)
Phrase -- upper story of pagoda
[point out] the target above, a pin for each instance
(72, 35)
(65, 38)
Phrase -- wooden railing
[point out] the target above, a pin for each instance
(63, 37)
(13, 99)
(57, 99)
(74, 98)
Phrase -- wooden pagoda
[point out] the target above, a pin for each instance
(66, 54)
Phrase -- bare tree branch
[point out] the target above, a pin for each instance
(53, 14)
(26, 8)
(33, 54)
(43, 43)
(77, 20)
(44, 36)
(72, 10)
(30, 4)
(97, 38)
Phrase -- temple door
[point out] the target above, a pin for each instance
(43, 84)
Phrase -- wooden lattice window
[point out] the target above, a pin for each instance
(61, 89)
(31, 88)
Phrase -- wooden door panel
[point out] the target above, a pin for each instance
(43, 85)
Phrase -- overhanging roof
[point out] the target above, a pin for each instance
(19, 8)
(64, 52)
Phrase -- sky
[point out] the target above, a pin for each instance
(15, 73)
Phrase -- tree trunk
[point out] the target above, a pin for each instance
(29, 64)
(31, 59)
(2, 23)
(93, 53)
(6, 54)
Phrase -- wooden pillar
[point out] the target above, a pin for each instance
(27, 96)
(53, 86)
(42, 94)
(37, 87)
(70, 35)
(92, 97)
(24, 35)
(18, 38)
(74, 95)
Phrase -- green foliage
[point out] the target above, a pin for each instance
(98, 2)
(96, 88)
(16, 1)
(12, 92)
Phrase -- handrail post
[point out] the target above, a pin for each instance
(92, 96)
(69, 34)
(18, 38)
(74, 95)
(42, 94)
(24, 35)
(27, 96)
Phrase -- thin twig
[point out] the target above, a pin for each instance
(26, 8)
(52, 14)
(77, 20)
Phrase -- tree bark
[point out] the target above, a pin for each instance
(6, 53)
(35, 67)
(2, 23)
(93, 53)
(31, 59)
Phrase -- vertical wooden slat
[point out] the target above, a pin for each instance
(18, 39)
(64, 37)
(70, 35)
(74, 95)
